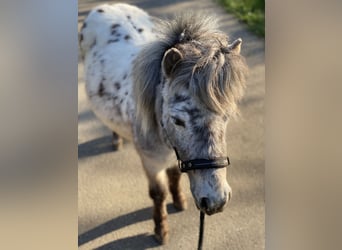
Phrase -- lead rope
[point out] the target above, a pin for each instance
(201, 230)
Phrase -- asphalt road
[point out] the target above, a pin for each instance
(114, 209)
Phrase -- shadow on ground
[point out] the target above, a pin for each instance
(141, 241)
(133, 242)
(95, 147)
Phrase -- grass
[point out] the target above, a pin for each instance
(252, 12)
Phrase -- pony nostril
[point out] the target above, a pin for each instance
(205, 203)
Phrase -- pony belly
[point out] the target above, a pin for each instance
(122, 128)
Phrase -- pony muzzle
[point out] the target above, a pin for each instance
(210, 205)
(210, 189)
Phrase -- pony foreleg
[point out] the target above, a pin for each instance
(178, 197)
(157, 191)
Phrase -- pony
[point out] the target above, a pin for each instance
(169, 86)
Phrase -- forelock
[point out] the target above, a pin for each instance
(215, 78)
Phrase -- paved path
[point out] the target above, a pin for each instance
(114, 206)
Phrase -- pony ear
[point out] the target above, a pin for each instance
(170, 59)
(235, 46)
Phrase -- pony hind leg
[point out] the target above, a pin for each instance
(178, 197)
(117, 141)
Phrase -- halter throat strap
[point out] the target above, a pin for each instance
(219, 162)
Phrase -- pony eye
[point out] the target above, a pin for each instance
(178, 121)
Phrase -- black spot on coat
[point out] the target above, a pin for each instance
(114, 26)
(117, 85)
(113, 41)
(101, 89)
(100, 10)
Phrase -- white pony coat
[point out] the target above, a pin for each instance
(110, 39)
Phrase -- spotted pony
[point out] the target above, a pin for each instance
(167, 86)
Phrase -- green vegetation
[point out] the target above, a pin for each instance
(251, 12)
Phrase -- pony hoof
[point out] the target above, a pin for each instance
(117, 142)
(117, 146)
(162, 236)
(180, 203)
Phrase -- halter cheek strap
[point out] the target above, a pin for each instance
(219, 162)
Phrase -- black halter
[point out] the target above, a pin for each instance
(219, 162)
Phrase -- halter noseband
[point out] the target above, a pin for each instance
(219, 162)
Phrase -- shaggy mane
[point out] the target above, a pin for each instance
(215, 77)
